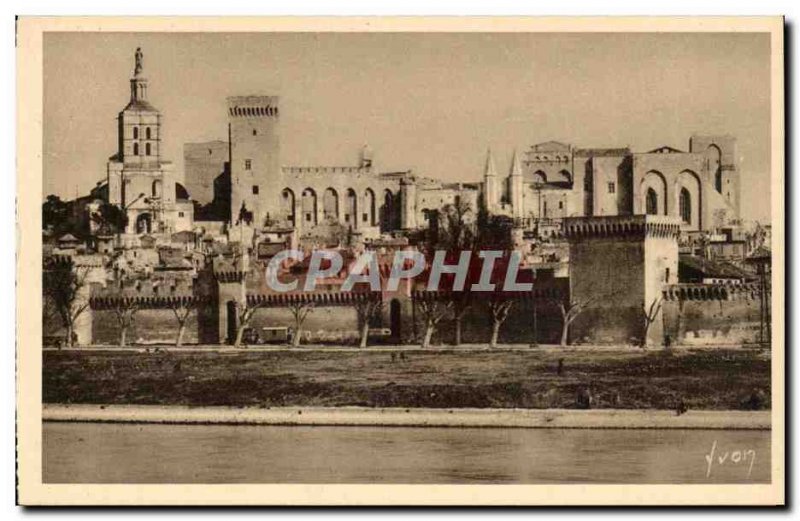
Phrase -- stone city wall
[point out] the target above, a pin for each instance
(710, 314)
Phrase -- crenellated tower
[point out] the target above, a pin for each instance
(254, 137)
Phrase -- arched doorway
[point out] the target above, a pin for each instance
(330, 205)
(387, 211)
(232, 319)
(369, 200)
(144, 223)
(351, 208)
(714, 158)
(287, 205)
(309, 204)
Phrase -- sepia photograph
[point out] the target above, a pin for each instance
(319, 256)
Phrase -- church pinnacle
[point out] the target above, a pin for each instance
(516, 169)
(489, 169)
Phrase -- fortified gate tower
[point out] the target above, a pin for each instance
(619, 266)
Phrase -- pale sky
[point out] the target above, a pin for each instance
(429, 102)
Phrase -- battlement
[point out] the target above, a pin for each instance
(171, 286)
(322, 299)
(682, 292)
(145, 294)
(621, 226)
(253, 106)
(229, 270)
(325, 170)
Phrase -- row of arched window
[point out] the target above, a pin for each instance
(147, 134)
(563, 176)
(356, 211)
(147, 149)
(684, 204)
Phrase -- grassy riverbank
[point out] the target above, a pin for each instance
(625, 379)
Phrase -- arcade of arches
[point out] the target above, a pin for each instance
(350, 208)
(680, 197)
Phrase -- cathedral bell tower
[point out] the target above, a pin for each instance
(139, 123)
(138, 179)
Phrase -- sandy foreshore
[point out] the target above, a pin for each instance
(413, 417)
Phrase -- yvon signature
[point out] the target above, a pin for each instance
(737, 457)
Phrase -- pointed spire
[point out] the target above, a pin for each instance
(489, 170)
(138, 81)
(516, 168)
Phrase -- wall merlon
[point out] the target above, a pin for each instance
(623, 225)
(683, 292)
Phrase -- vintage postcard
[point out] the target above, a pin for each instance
(400, 261)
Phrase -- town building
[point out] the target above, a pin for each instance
(598, 227)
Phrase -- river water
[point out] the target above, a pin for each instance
(149, 453)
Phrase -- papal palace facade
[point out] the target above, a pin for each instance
(243, 180)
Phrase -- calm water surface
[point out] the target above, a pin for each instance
(147, 453)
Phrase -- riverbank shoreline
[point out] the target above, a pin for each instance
(410, 417)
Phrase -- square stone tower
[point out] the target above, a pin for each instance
(618, 268)
(253, 128)
(722, 167)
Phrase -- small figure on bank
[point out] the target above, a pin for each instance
(755, 401)
(583, 398)
(560, 368)
(681, 407)
(667, 341)
(289, 336)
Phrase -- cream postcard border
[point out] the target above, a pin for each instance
(29, 265)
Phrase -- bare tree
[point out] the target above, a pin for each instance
(649, 315)
(182, 308)
(433, 311)
(300, 311)
(64, 288)
(498, 308)
(570, 310)
(125, 310)
(462, 302)
(245, 312)
(366, 309)
(494, 233)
